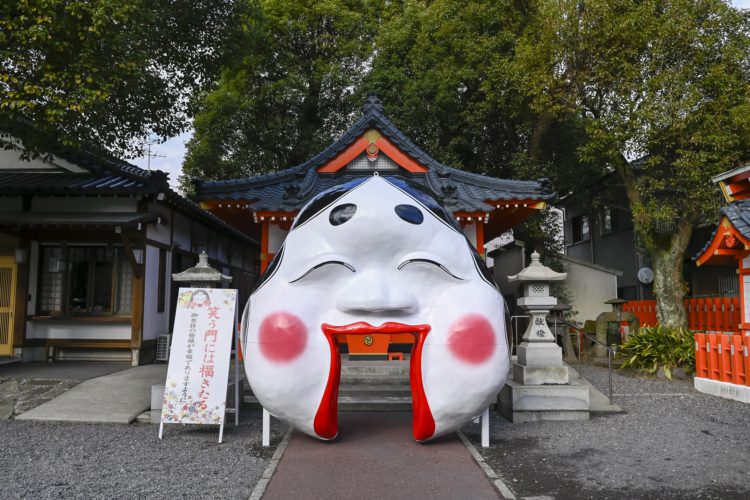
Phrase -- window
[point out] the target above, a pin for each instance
(580, 228)
(729, 286)
(613, 219)
(84, 280)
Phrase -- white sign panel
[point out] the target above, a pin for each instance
(196, 386)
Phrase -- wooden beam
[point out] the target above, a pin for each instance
(136, 312)
(346, 156)
(480, 237)
(731, 251)
(402, 159)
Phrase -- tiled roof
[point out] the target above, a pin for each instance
(290, 189)
(738, 213)
(107, 176)
(70, 183)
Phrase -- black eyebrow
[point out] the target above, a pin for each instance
(326, 263)
(428, 261)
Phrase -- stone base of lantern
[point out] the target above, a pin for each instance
(540, 363)
(530, 403)
(540, 354)
(541, 388)
(540, 375)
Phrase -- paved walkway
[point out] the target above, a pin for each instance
(61, 370)
(116, 398)
(375, 456)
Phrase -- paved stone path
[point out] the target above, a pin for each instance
(116, 398)
(375, 456)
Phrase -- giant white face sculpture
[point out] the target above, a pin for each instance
(375, 256)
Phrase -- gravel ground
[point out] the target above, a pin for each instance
(670, 442)
(53, 460)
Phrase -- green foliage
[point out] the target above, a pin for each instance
(444, 71)
(288, 91)
(665, 80)
(652, 347)
(103, 74)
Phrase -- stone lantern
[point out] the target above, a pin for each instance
(610, 326)
(539, 356)
(540, 388)
(202, 275)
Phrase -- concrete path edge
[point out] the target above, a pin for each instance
(260, 487)
(492, 476)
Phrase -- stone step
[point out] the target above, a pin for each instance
(375, 368)
(383, 403)
(373, 379)
(366, 390)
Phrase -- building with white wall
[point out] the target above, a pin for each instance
(87, 249)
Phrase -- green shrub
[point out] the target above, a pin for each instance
(653, 347)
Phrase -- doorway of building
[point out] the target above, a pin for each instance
(7, 304)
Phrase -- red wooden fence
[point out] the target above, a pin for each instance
(713, 314)
(723, 357)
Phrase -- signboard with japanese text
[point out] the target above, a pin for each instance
(196, 386)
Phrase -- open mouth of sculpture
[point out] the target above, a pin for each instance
(326, 418)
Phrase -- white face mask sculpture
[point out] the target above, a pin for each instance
(375, 256)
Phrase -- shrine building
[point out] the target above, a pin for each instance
(265, 206)
(729, 245)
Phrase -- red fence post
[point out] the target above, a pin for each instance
(746, 355)
(738, 362)
(725, 358)
(734, 314)
(716, 313)
(711, 354)
(690, 305)
(701, 366)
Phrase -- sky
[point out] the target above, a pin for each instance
(173, 150)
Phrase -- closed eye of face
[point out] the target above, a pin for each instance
(324, 264)
(431, 262)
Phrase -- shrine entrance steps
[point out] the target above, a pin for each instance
(367, 386)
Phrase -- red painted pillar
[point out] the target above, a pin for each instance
(701, 366)
(712, 354)
(725, 358)
(738, 362)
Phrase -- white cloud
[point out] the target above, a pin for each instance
(173, 152)
(743, 4)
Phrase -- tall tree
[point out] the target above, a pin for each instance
(443, 69)
(289, 90)
(663, 81)
(103, 74)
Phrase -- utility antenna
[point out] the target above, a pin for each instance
(150, 155)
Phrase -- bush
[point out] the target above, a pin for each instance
(653, 347)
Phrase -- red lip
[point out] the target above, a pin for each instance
(362, 328)
(326, 418)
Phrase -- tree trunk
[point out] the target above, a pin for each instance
(669, 288)
(667, 252)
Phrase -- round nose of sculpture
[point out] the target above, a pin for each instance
(369, 292)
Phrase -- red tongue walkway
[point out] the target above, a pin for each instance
(374, 457)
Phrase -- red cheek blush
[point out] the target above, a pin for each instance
(282, 337)
(472, 339)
